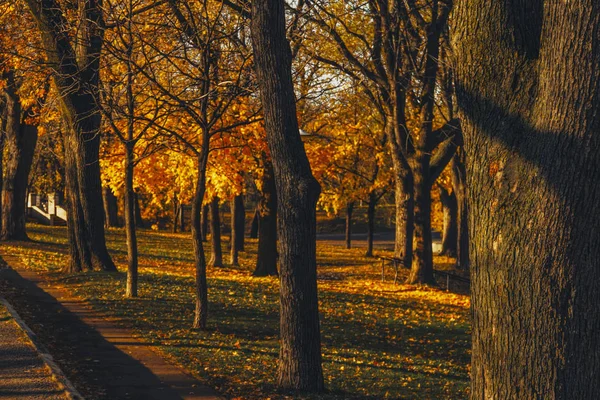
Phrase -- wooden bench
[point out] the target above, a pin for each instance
(450, 275)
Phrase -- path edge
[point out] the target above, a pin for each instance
(46, 357)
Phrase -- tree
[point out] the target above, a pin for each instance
(527, 84)
(20, 138)
(297, 193)
(73, 54)
(266, 260)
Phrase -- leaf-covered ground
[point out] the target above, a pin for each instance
(379, 340)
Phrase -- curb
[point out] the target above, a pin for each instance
(58, 374)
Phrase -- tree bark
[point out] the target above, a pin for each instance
(405, 206)
(459, 183)
(216, 259)
(139, 221)
(370, 223)
(238, 220)
(130, 222)
(530, 111)
(201, 308)
(20, 142)
(450, 224)
(266, 260)
(76, 76)
(175, 212)
(110, 203)
(349, 209)
(297, 191)
(254, 225)
(205, 224)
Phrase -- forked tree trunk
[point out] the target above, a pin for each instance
(216, 259)
(297, 194)
(459, 185)
(349, 209)
(528, 89)
(238, 217)
(450, 225)
(370, 223)
(266, 260)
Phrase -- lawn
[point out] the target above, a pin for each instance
(379, 340)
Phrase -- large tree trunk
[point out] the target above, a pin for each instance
(405, 206)
(216, 259)
(297, 191)
(130, 223)
(20, 141)
(370, 223)
(450, 225)
(459, 184)
(238, 219)
(349, 209)
(528, 89)
(266, 260)
(110, 203)
(76, 76)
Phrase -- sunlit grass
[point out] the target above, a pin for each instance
(379, 340)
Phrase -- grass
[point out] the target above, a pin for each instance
(379, 340)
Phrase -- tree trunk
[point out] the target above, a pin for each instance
(422, 263)
(110, 208)
(405, 206)
(175, 212)
(349, 209)
(130, 223)
(266, 260)
(238, 219)
(450, 225)
(20, 141)
(297, 191)
(205, 224)
(370, 223)
(254, 225)
(139, 221)
(216, 259)
(528, 94)
(459, 185)
(201, 309)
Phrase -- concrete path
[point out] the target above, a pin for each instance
(23, 372)
(103, 359)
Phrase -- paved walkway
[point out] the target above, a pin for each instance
(101, 358)
(23, 372)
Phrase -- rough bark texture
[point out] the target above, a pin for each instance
(266, 260)
(528, 89)
(110, 208)
(76, 76)
(20, 140)
(297, 194)
(216, 259)
(238, 219)
(450, 224)
(459, 184)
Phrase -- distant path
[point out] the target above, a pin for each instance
(101, 358)
(381, 240)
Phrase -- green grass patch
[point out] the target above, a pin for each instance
(379, 340)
